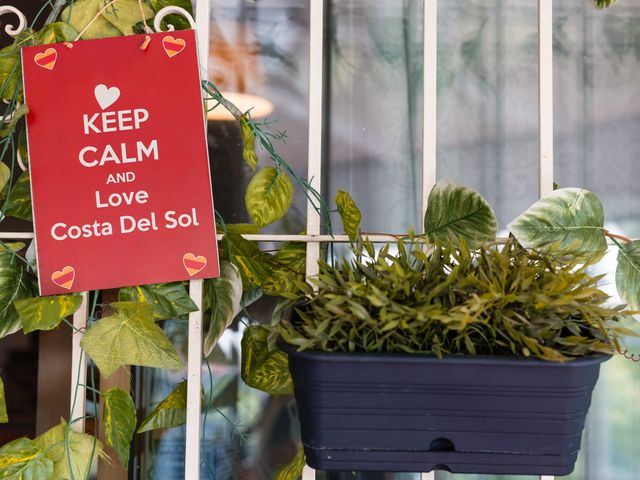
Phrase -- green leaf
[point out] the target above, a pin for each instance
(57, 32)
(10, 73)
(5, 176)
(4, 418)
(21, 459)
(125, 14)
(169, 300)
(603, 3)
(350, 214)
(292, 471)
(269, 196)
(254, 265)
(239, 228)
(628, 274)
(81, 12)
(569, 220)
(78, 453)
(129, 337)
(226, 294)
(15, 284)
(458, 212)
(46, 313)
(10, 127)
(119, 420)
(170, 412)
(264, 369)
(292, 255)
(178, 21)
(18, 203)
(249, 139)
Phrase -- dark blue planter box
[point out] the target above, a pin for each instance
(416, 413)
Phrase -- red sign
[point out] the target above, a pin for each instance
(119, 166)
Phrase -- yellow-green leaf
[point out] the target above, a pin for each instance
(169, 300)
(81, 12)
(4, 418)
(46, 313)
(292, 471)
(18, 203)
(269, 196)
(129, 337)
(21, 459)
(264, 369)
(170, 412)
(57, 32)
(249, 139)
(53, 443)
(226, 294)
(5, 175)
(124, 14)
(603, 3)
(15, 283)
(458, 212)
(119, 420)
(568, 220)
(628, 274)
(350, 214)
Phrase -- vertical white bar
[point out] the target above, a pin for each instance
(194, 383)
(194, 352)
(545, 86)
(314, 165)
(78, 366)
(430, 98)
(314, 174)
(545, 82)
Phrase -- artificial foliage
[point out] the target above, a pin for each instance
(452, 300)
(469, 318)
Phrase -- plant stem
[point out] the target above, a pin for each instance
(613, 237)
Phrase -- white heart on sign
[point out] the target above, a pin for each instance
(106, 96)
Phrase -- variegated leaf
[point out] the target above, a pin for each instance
(269, 196)
(170, 412)
(169, 300)
(3, 404)
(568, 221)
(119, 420)
(21, 459)
(628, 274)
(226, 295)
(264, 369)
(350, 214)
(458, 212)
(292, 471)
(46, 313)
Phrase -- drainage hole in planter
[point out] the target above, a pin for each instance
(443, 467)
(442, 445)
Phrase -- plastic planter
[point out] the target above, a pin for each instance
(466, 414)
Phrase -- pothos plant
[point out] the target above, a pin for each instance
(128, 332)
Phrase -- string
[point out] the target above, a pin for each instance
(147, 39)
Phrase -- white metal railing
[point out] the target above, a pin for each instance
(313, 236)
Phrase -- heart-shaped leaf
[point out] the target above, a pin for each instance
(350, 214)
(269, 196)
(292, 471)
(81, 12)
(119, 420)
(81, 449)
(57, 32)
(5, 175)
(129, 337)
(169, 300)
(226, 294)
(18, 203)
(15, 283)
(4, 418)
(264, 369)
(458, 212)
(628, 274)
(170, 412)
(21, 459)
(46, 313)
(568, 220)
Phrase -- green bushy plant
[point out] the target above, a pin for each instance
(492, 300)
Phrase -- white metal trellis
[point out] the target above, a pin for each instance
(313, 236)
